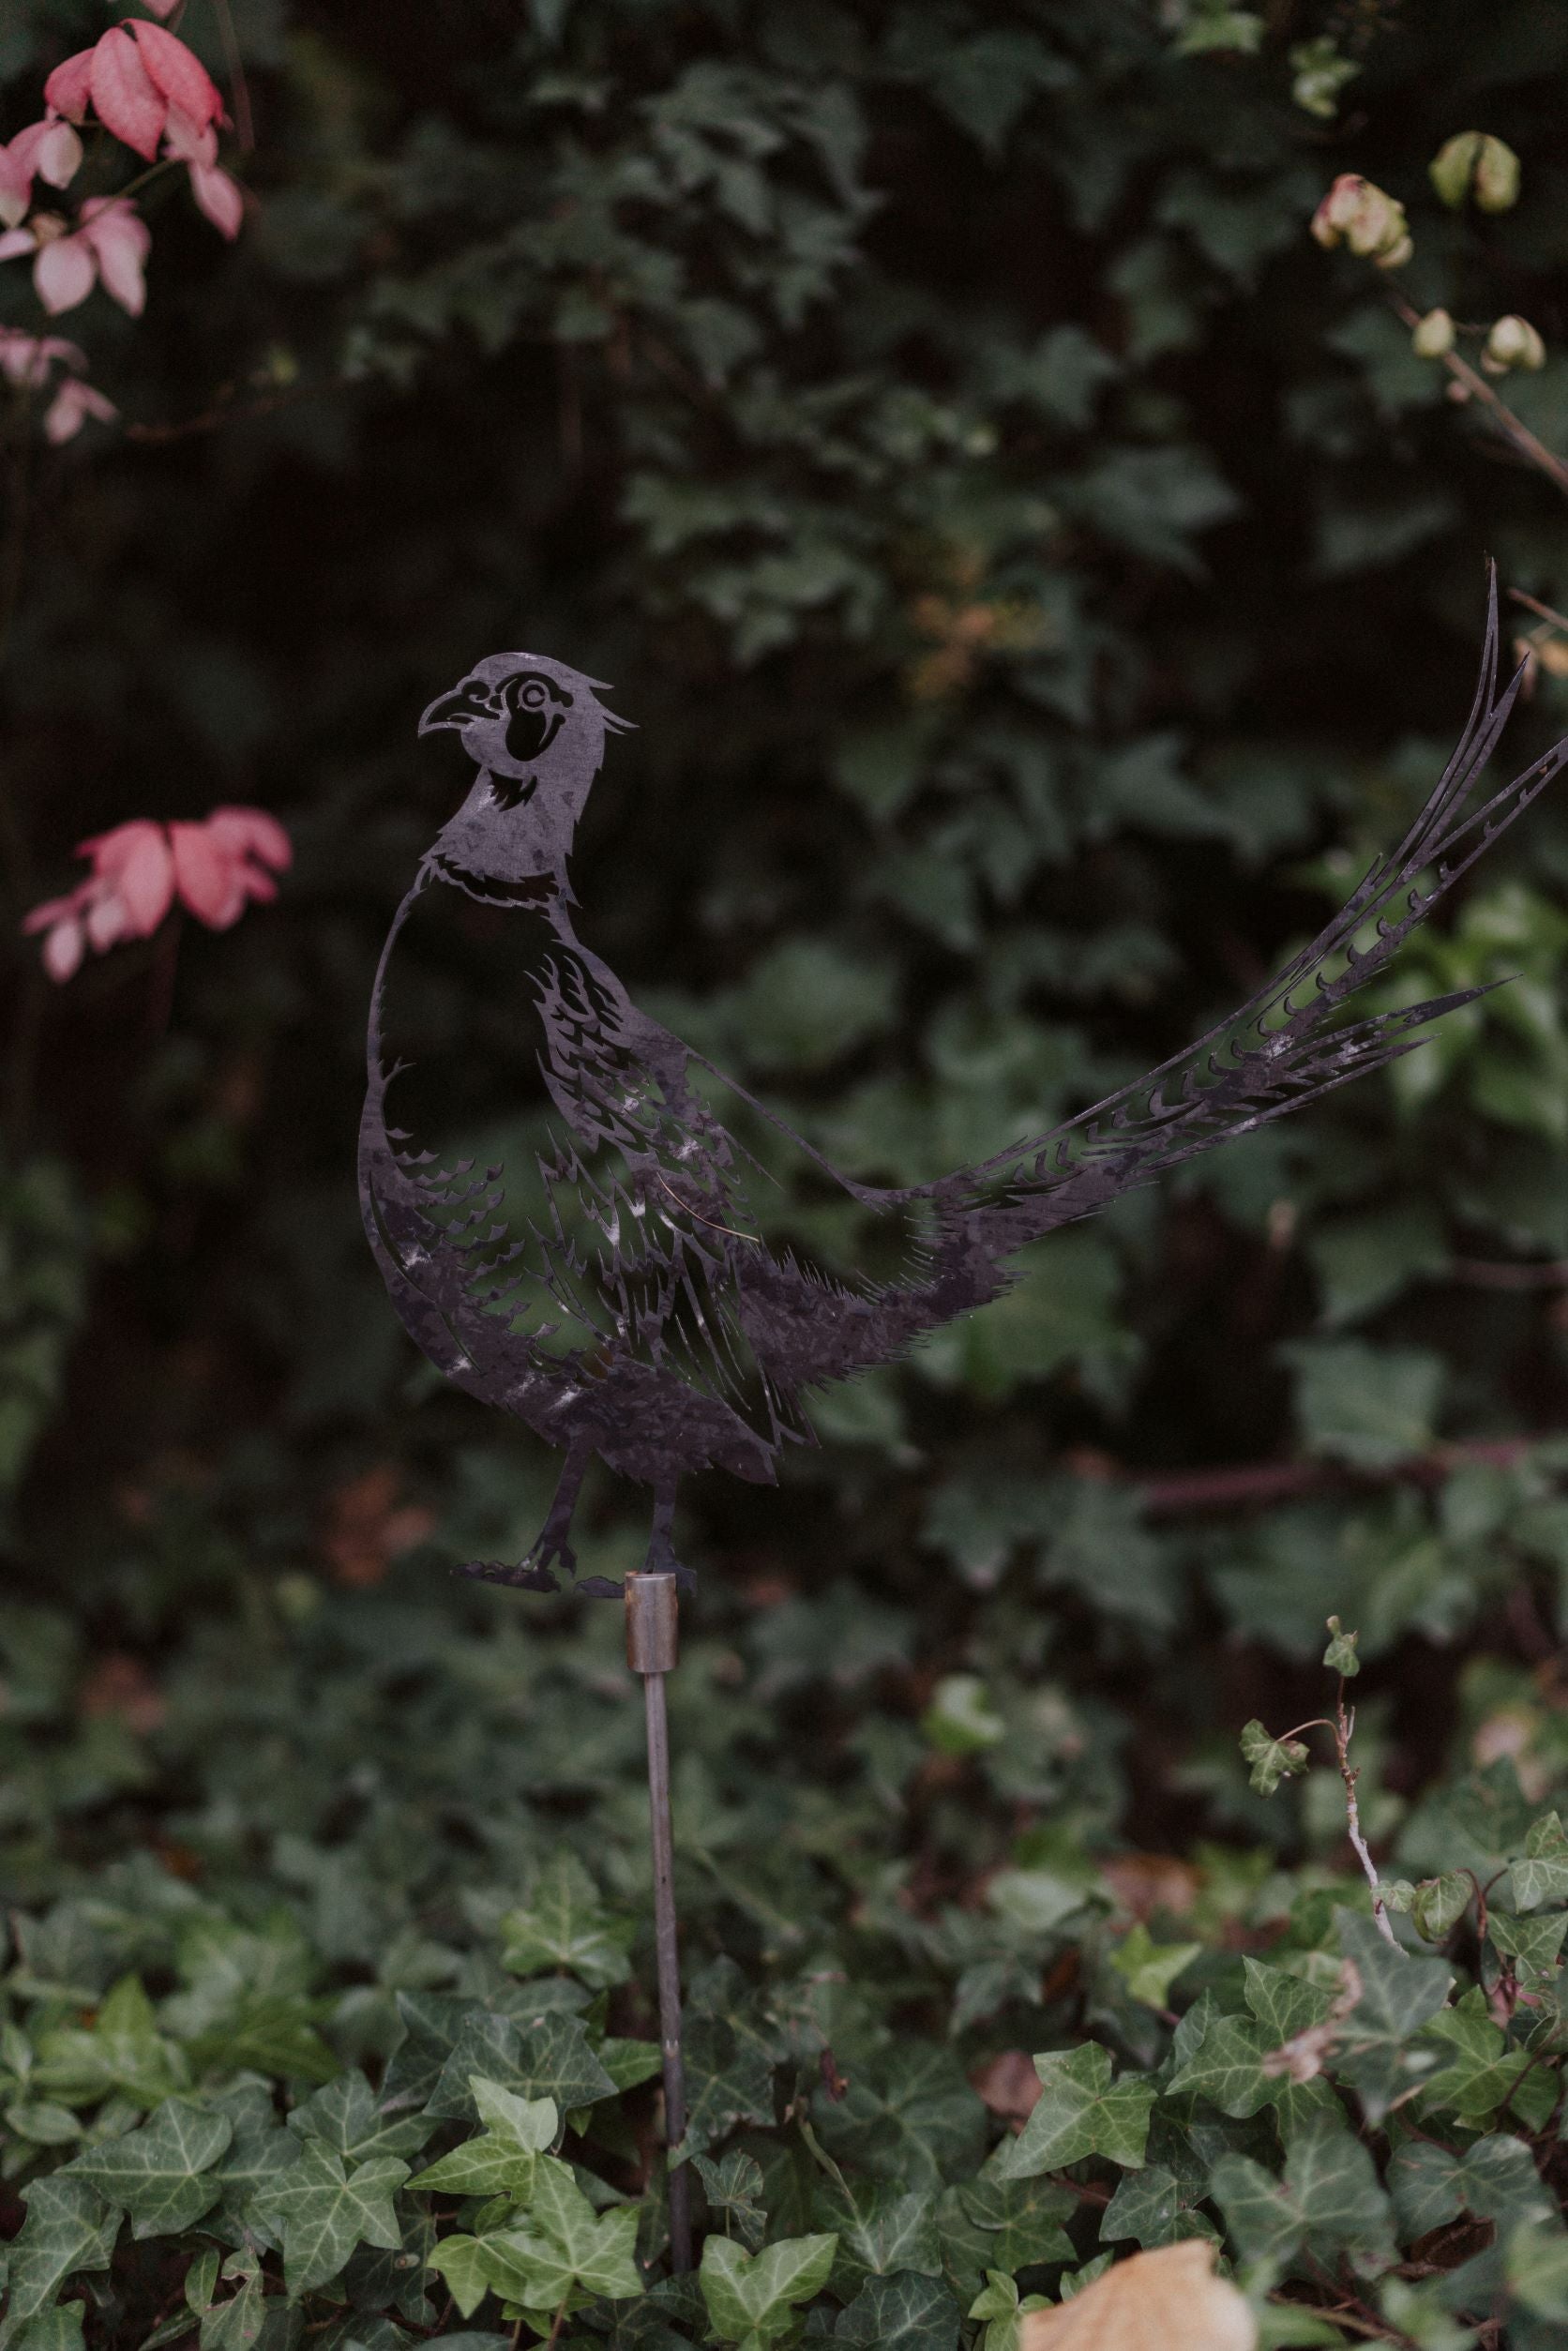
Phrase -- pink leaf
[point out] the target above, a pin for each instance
(15, 242)
(49, 151)
(190, 141)
(72, 405)
(62, 950)
(220, 198)
(178, 74)
(124, 94)
(16, 186)
(54, 910)
(253, 833)
(135, 862)
(70, 86)
(208, 876)
(119, 237)
(108, 921)
(63, 274)
(59, 153)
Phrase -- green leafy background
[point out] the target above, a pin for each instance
(1041, 578)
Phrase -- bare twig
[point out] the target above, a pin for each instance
(1514, 431)
(1344, 1726)
(1534, 604)
(244, 126)
(1249, 1484)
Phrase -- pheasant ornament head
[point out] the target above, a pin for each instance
(535, 731)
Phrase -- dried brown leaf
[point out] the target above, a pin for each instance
(1169, 2300)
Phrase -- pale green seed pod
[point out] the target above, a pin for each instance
(1433, 336)
(1474, 163)
(1513, 342)
(1496, 176)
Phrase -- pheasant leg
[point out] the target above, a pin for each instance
(552, 1544)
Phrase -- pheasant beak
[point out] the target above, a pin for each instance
(468, 702)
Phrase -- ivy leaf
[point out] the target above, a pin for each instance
(163, 2173)
(56, 2329)
(1271, 1759)
(1438, 1904)
(69, 2227)
(882, 2234)
(914, 2118)
(1226, 2068)
(1329, 2200)
(122, 2051)
(345, 2115)
(1534, 1945)
(564, 2247)
(1494, 2179)
(243, 2321)
(531, 2123)
(629, 2063)
(565, 1926)
(550, 2059)
(326, 2210)
(1399, 1994)
(1541, 1874)
(995, 2222)
(502, 2159)
(1080, 2112)
(1483, 2070)
(751, 2297)
(1149, 1969)
(432, 2023)
(734, 2187)
(463, 2264)
(905, 2312)
(491, 2164)
(1538, 2271)
(1147, 2206)
(1340, 1655)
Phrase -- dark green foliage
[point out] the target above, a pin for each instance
(1042, 576)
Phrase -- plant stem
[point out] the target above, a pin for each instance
(1344, 1726)
(1513, 429)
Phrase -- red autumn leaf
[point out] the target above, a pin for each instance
(124, 96)
(70, 86)
(177, 73)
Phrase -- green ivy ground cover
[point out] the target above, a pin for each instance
(356, 2044)
(1042, 576)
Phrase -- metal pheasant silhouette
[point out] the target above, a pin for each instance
(628, 1295)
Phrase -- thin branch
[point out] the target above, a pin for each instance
(1494, 1273)
(224, 411)
(1513, 429)
(1533, 604)
(245, 122)
(1344, 1726)
(1249, 1485)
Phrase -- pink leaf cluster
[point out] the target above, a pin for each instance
(25, 361)
(147, 88)
(50, 151)
(214, 868)
(110, 243)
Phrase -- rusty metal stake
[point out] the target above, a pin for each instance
(653, 1647)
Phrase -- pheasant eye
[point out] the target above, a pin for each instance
(533, 696)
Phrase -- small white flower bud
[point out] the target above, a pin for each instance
(1513, 342)
(1433, 336)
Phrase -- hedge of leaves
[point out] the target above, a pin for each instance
(1040, 574)
(359, 2049)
